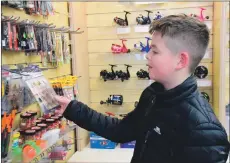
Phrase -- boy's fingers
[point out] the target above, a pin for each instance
(62, 100)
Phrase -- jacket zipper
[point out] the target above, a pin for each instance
(153, 100)
(144, 145)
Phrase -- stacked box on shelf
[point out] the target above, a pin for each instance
(128, 145)
(99, 142)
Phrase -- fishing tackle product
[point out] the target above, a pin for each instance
(142, 74)
(201, 72)
(206, 96)
(113, 100)
(201, 17)
(144, 20)
(122, 22)
(142, 47)
(158, 16)
(108, 75)
(120, 49)
(124, 75)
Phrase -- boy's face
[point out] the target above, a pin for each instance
(162, 62)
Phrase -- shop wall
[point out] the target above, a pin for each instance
(102, 34)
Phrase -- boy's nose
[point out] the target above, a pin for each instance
(147, 56)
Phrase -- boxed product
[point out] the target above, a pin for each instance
(128, 145)
(99, 142)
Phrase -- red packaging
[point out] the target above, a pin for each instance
(43, 128)
(38, 132)
(33, 117)
(9, 35)
(25, 121)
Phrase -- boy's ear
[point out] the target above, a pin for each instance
(183, 60)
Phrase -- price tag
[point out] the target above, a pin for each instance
(142, 28)
(204, 83)
(208, 54)
(123, 30)
(3, 43)
(209, 24)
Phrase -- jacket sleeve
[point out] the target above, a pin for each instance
(207, 143)
(116, 130)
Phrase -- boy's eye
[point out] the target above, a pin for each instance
(154, 52)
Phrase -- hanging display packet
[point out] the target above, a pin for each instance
(44, 8)
(15, 93)
(42, 91)
(36, 39)
(64, 86)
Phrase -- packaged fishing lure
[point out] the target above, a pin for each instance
(43, 93)
(13, 95)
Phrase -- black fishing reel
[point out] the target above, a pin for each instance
(108, 75)
(201, 72)
(113, 100)
(124, 75)
(143, 74)
(122, 22)
(206, 96)
(144, 20)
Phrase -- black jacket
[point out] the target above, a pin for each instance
(174, 126)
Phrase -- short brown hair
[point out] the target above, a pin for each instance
(182, 32)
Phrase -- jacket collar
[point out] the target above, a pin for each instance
(185, 90)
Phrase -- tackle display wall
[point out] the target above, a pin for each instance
(60, 18)
(102, 32)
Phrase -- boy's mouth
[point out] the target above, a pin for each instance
(148, 66)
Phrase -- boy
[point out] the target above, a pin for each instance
(172, 122)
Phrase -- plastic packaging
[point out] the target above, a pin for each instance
(25, 121)
(43, 128)
(30, 135)
(37, 132)
(51, 136)
(42, 119)
(56, 121)
(37, 121)
(33, 117)
(50, 124)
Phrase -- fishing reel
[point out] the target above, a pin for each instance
(201, 17)
(113, 100)
(201, 72)
(108, 75)
(120, 48)
(142, 47)
(142, 74)
(124, 75)
(120, 21)
(157, 16)
(144, 20)
(206, 96)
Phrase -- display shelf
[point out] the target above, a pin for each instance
(44, 153)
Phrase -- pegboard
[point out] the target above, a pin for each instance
(102, 33)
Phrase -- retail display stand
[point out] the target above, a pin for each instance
(29, 70)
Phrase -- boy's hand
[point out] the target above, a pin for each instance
(63, 101)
